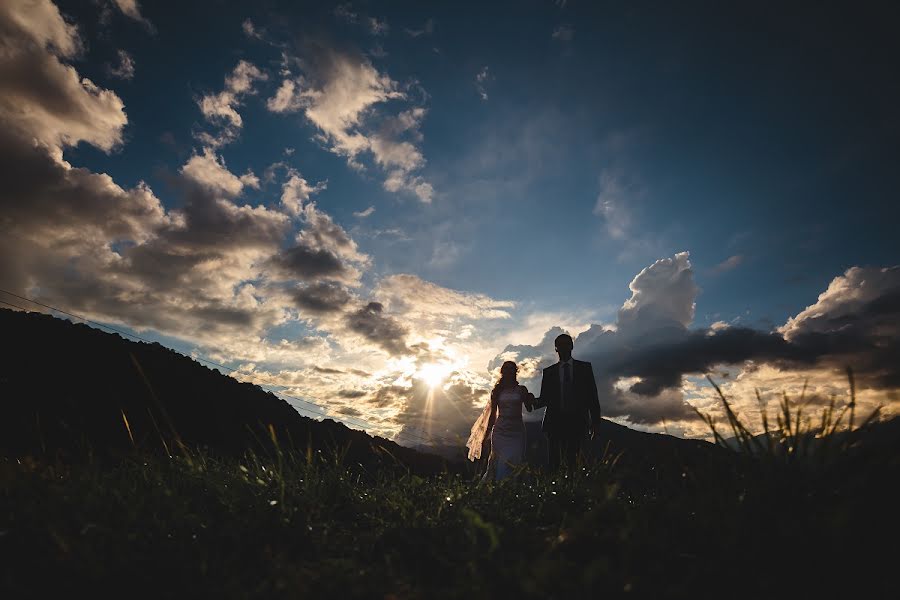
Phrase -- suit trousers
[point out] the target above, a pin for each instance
(563, 449)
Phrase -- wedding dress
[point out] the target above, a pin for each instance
(507, 435)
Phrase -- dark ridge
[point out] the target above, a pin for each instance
(64, 388)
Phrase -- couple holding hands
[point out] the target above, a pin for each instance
(569, 393)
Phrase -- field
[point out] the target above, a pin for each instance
(303, 523)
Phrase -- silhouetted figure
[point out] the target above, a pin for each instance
(569, 392)
(500, 429)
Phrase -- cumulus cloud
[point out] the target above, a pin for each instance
(340, 94)
(641, 362)
(78, 240)
(208, 170)
(374, 325)
(296, 191)
(215, 272)
(321, 298)
(362, 214)
(124, 69)
(221, 108)
(44, 98)
(132, 10)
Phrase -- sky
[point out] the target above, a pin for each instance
(368, 206)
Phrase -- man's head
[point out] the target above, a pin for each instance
(564, 345)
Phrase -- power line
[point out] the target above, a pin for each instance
(316, 409)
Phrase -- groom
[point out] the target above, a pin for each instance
(569, 392)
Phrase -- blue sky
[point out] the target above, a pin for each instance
(529, 158)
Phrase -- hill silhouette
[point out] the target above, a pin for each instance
(67, 389)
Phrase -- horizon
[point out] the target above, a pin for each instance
(373, 205)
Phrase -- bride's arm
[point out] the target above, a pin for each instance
(493, 416)
(527, 398)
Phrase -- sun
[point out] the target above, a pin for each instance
(434, 374)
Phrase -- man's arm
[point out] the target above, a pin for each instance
(541, 401)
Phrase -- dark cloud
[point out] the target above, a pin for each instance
(855, 323)
(305, 263)
(377, 327)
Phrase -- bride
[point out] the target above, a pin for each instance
(501, 425)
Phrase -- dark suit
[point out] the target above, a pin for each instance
(567, 425)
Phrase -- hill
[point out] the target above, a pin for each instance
(67, 388)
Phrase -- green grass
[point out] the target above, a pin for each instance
(305, 524)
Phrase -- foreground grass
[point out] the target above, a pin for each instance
(295, 525)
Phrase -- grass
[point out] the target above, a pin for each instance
(308, 524)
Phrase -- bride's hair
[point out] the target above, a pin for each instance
(506, 381)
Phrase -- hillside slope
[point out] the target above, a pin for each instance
(65, 387)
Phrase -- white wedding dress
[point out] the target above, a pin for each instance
(508, 434)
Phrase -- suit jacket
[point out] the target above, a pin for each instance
(585, 403)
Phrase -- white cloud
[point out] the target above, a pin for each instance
(251, 30)
(34, 42)
(612, 203)
(132, 10)
(416, 298)
(125, 67)
(221, 108)
(296, 191)
(209, 170)
(662, 297)
(362, 214)
(481, 80)
(340, 94)
(729, 264)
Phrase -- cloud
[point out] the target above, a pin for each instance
(377, 26)
(345, 13)
(662, 299)
(481, 80)
(44, 98)
(362, 214)
(416, 298)
(252, 31)
(340, 94)
(374, 325)
(563, 33)
(276, 285)
(296, 191)
(612, 203)
(125, 67)
(208, 170)
(132, 10)
(729, 264)
(321, 298)
(78, 240)
(427, 29)
(221, 108)
(641, 362)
